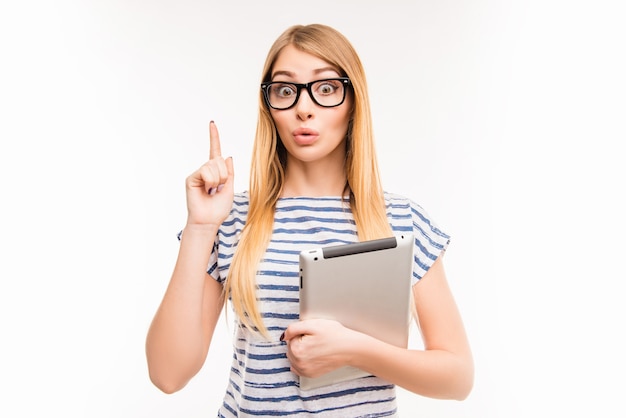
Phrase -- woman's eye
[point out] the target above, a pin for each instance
(326, 88)
(284, 90)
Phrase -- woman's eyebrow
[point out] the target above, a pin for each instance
(325, 69)
(292, 74)
(285, 73)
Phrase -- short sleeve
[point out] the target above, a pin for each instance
(430, 241)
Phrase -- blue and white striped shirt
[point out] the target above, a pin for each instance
(261, 384)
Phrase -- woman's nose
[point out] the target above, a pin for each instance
(305, 106)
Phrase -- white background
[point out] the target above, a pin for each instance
(504, 119)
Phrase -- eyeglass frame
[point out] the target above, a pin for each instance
(300, 86)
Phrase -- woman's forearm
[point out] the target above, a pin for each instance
(180, 333)
(432, 373)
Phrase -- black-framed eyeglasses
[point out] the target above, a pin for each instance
(329, 92)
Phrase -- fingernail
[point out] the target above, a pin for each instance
(211, 122)
(282, 336)
(212, 191)
(220, 187)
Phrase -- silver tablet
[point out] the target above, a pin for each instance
(366, 286)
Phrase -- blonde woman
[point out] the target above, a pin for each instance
(314, 180)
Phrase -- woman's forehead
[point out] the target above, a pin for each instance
(294, 63)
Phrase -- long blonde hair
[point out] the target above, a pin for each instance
(269, 161)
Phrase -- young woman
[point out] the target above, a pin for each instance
(314, 180)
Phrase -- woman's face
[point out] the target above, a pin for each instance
(309, 132)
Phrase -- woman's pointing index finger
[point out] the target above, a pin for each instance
(214, 141)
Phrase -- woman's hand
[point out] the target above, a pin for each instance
(210, 188)
(318, 346)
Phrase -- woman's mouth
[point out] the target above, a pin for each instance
(305, 136)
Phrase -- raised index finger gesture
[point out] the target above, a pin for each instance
(210, 188)
(214, 142)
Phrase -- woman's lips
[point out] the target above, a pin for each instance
(305, 136)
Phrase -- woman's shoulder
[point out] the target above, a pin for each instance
(239, 210)
(241, 197)
(399, 201)
(402, 206)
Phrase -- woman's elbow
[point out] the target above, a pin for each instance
(166, 384)
(464, 382)
(167, 375)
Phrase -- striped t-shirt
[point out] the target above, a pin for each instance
(261, 383)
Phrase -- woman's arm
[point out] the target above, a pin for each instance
(444, 369)
(180, 334)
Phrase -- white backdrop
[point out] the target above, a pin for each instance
(514, 110)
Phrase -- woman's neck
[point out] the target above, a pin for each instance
(314, 179)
